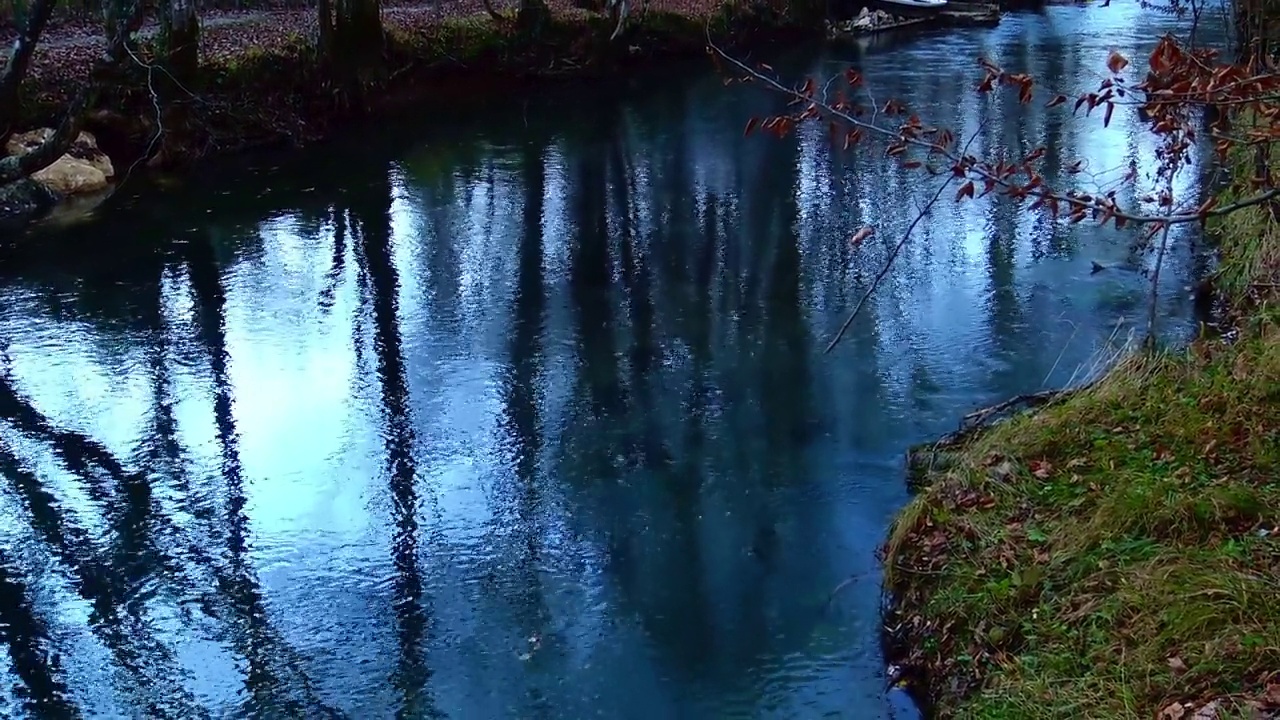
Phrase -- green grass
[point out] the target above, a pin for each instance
(1118, 551)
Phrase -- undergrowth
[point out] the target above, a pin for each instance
(1117, 554)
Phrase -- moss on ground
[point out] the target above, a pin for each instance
(1116, 554)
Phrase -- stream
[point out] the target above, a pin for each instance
(520, 409)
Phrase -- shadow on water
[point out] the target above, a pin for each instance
(524, 411)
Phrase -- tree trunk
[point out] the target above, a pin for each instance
(355, 44)
(19, 60)
(357, 32)
(180, 50)
(325, 41)
(180, 38)
(532, 16)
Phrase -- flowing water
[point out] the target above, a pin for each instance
(521, 410)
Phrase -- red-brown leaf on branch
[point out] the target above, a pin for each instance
(852, 137)
(1165, 55)
(862, 234)
(988, 186)
(1024, 94)
(1034, 155)
(751, 125)
(853, 77)
(807, 89)
(766, 68)
(1205, 207)
(1056, 101)
(965, 191)
(896, 148)
(912, 164)
(1075, 167)
(1116, 62)
(987, 84)
(1106, 119)
(1080, 101)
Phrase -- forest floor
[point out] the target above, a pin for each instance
(1115, 554)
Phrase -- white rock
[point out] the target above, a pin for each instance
(83, 169)
(71, 176)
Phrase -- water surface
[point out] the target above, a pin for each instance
(521, 411)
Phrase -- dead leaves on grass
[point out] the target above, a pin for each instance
(1263, 706)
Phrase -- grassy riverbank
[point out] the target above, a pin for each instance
(1116, 554)
(259, 82)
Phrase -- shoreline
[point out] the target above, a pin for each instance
(273, 95)
(1103, 551)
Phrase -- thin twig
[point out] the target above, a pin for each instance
(898, 248)
(1155, 284)
(888, 264)
(155, 101)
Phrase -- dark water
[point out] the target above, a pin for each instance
(522, 411)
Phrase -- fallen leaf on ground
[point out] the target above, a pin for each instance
(1177, 665)
(1003, 471)
(1208, 711)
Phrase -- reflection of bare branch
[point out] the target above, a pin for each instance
(152, 668)
(76, 449)
(25, 632)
